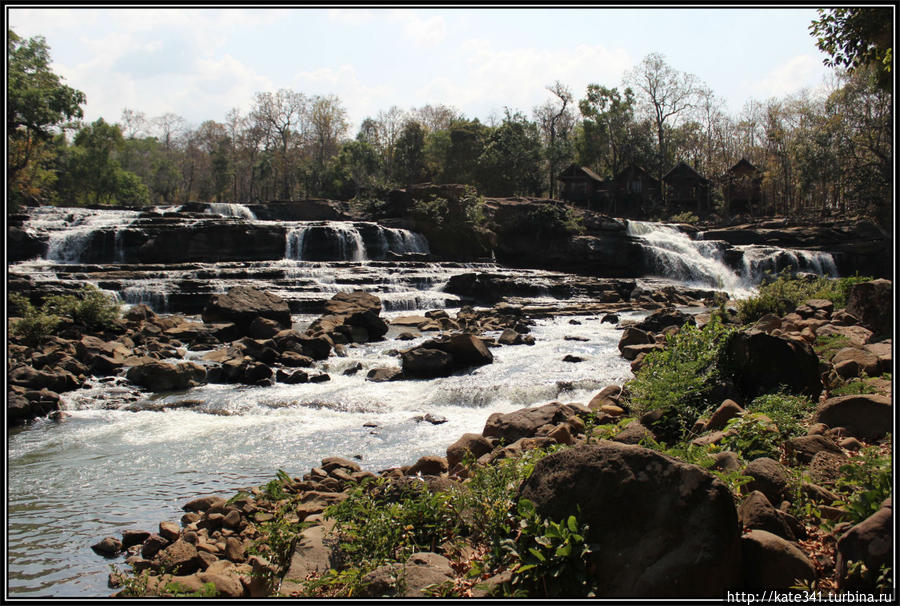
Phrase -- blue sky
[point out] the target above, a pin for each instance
(200, 63)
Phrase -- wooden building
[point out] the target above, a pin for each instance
(634, 191)
(743, 188)
(583, 187)
(686, 190)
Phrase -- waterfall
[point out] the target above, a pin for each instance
(230, 210)
(350, 242)
(675, 255)
(341, 241)
(294, 243)
(403, 241)
(71, 231)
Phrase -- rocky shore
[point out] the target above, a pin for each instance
(657, 524)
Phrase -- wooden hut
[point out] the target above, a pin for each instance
(742, 188)
(686, 190)
(583, 187)
(633, 192)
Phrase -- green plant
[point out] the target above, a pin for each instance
(866, 480)
(751, 436)
(34, 325)
(787, 411)
(854, 386)
(828, 345)
(784, 293)
(90, 308)
(685, 217)
(552, 556)
(681, 379)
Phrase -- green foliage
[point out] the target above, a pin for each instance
(855, 386)
(751, 436)
(543, 221)
(828, 345)
(787, 411)
(34, 325)
(783, 294)
(681, 379)
(685, 217)
(866, 480)
(510, 162)
(552, 556)
(90, 308)
(467, 209)
(856, 37)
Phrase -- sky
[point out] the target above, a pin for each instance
(199, 63)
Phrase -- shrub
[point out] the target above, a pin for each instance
(783, 294)
(787, 411)
(683, 377)
(685, 217)
(34, 325)
(828, 345)
(866, 480)
(90, 308)
(751, 436)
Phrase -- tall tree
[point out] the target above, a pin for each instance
(857, 37)
(328, 126)
(409, 162)
(557, 123)
(283, 116)
(510, 162)
(37, 103)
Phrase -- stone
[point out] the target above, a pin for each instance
(204, 503)
(427, 363)
(429, 465)
(160, 376)
(871, 542)
(873, 303)
(134, 537)
(347, 303)
(263, 328)
(757, 513)
(854, 361)
(180, 558)
(769, 477)
(381, 375)
(668, 316)
(469, 443)
(675, 530)
(57, 380)
(108, 547)
(804, 448)
(227, 586)
(234, 549)
(771, 562)
(865, 416)
(509, 337)
(726, 411)
(634, 336)
(152, 545)
(633, 433)
(329, 464)
(295, 360)
(524, 422)
(765, 363)
(243, 304)
(824, 468)
(292, 377)
(169, 531)
(311, 555)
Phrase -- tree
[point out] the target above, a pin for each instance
(328, 126)
(857, 37)
(555, 120)
(510, 162)
(37, 102)
(409, 156)
(283, 117)
(666, 93)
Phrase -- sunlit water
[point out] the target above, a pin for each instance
(99, 472)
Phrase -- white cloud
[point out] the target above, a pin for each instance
(797, 73)
(351, 16)
(423, 32)
(361, 100)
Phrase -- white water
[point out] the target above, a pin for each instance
(702, 262)
(351, 245)
(104, 470)
(223, 209)
(69, 230)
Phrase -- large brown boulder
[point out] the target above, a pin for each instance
(660, 528)
(870, 542)
(524, 423)
(771, 562)
(866, 416)
(427, 363)
(243, 304)
(57, 380)
(873, 303)
(161, 376)
(347, 303)
(763, 363)
(668, 316)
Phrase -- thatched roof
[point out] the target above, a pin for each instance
(683, 172)
(577, 172)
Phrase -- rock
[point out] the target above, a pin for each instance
(771, 562)
(674, 531)
(524, 422)
(883, 351)
(134, 537)
(295, 360)
(466, 349)
(668, 316)
(573, 359)
(429, 466)
(858, 336)
(724, 413)
(380, 375)
(263, 328)
(824, 468)
(633, 433)
(227, 586)
(180, 558)
(108, 547)
(607, 396)
(726, 461)
(434, 419)
(243, 304)
(768, 323)
(873, 303)
(329, 464)
(427, 363)
(864, 416)
(470, 442)
(635, 336)
(204, 503)
(169, 531)
(311, 554)
(57, 380)
(347, 303)
(509, 337)
(769, 477)
(765, 363)
(152, 546)
(757, 513)
(160, 376)
(804, 448)
(291, 377)
(234, 549)
(870, 542)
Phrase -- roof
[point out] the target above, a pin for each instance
(632, 169)
(682, 171)
(574, 172)
(743, 162)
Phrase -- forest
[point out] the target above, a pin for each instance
(819, 154)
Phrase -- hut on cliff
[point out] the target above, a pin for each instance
(742, 188)
(584, 187)
(686, 190)
(633, 192)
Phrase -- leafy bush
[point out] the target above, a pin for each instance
(783, 294)
(751, 436)
(787, 412)
(682, 378)
(685, 217)
(34, 325)
(854, 386)
(90, 308)
(867, 482)
(828, 345)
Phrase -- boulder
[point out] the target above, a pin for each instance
(870, 542)
(524, 423)
(108, 547)
(724, 413)
(428, 466)
(763, 363)
(160, 376)
(469, 442)
(179, 558)
(854, 361)
(771, 562)
(634, 336)
(804, 448)
(57, 380)
(243, 304)
(769, 477)
(427, 363)
(663, 318)
(757, 513)
(466, 349)
(347, 303)
(865, 416)
(660, 527)
(873, 303)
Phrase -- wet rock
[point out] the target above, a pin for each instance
(668, 316)
(152, 546)
(160, 376)
(291, 377)
(675, 531)
(58, 381)
(204, 503)
(180, 558)
(525, 422)
(427, 363)
(243, 304)
(573, 359)
(635, 336)
(429, 466)
(169, 531)
(108, 547)
(469, 443)
(134, 537)
(379, 375)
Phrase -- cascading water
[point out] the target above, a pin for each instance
(70, 231)
(223, 209)
(348, 243)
